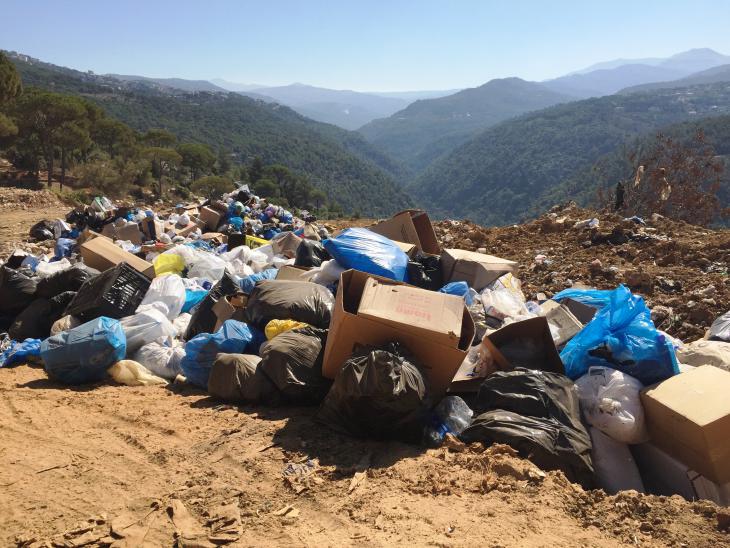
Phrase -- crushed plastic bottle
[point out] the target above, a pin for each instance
(451, 416)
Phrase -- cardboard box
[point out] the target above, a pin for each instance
(411, 226)
(290, 272)
(583, 312)
(408, 249)
(349, 329)
(152, 228)
(210, 217)
(562, 320)
(131, 233)
(102, 254)
(87, 235)
(229, 308)
(286, 245)
(427, 314)
(219, 236)
(477, 269)
(688, 416)
(527, 344)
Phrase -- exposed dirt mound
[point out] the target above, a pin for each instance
(680, 269)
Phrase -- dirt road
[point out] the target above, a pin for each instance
(118, 453)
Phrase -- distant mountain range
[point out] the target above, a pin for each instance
(612, 76)
(429, 128)
(709, 76)
(170, 83)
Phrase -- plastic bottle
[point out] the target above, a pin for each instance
(451, 416)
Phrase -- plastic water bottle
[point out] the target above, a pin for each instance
(451, 416)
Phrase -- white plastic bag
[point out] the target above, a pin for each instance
(613, 464)
(610, 401)
(145, 327)
(207, 266)
(45, 269)
(132, 373)
(169, 290)
(181, 322)
(328, 273)
(161, 360)
(258, 260)
(503, 299)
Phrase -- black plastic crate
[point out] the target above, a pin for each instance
(115, 293)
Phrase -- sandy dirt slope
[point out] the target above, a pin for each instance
(124, 455)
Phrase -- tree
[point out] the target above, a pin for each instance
(212, 186)
(199, 159)
(256, 170)
(676, 180)
(72, 138)
(46, 115)
(113, 136)
(10, 83)
(223, 165)
(164, 161)
(159, 138)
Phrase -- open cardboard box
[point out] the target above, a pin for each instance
(102, 254)
(227, 308)
(291, 272)
(349, 329)
(477, 269)
(411, 226)
(210, 217)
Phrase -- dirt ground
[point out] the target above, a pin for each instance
(153, 466)
(81, 460)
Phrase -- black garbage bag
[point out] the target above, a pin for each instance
(379, 393)
(425, 271)
(70, 279)
(203, 319)
(293, 362)
(42, 231)
(543, 398)
(36, 320)
(237, 378)
(720, 328)
(289, 300)
(311, 253)
(17, 290)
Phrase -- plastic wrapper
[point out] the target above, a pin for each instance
(146, 326)
(622, 336)
(379, 393)
(85, 353)
(232, 338)
(70, 279)
(277, 327)
(540, 396)
(16, 290)
(364, 250)
(237, 378)
(132, 373)
(169, 290)
(610, 401)
(289, 300)
(504, 300)
(293, 363)
(311, 253)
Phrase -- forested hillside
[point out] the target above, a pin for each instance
(517, 167)
(340, 163)
(429, 128)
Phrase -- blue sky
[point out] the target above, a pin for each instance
(373, 45)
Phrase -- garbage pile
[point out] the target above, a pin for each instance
(390, 335)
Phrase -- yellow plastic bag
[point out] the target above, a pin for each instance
(168, 263)
(277, 327)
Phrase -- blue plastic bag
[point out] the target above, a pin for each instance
(236, 222)
(233, 337)
(597, 298)
(460, 289)
(622, 336)
(193, 297)
(64, 247)
(19, 352)
(249, 282)
(83, 354)
(364, 250)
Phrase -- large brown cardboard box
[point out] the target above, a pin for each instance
(349, 329)
(527, 343)
(229, 308)
(408, 249)
(130, 232)
(102, 254)
(210, 217)
(562, 320)
(428, 314)
(477, 269)
(291, 272)
(410, 226)
(688, 416)
(152, 228)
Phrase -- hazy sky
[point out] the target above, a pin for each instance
(369, 45)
